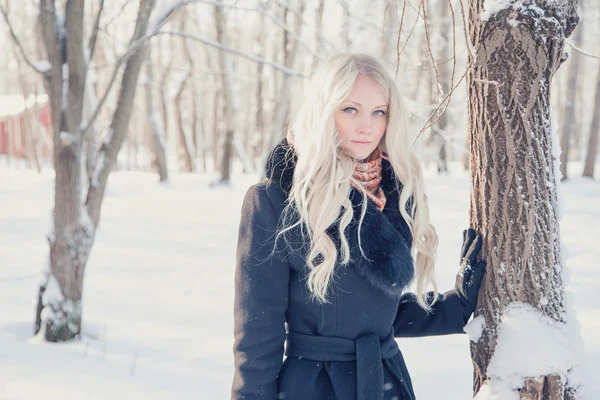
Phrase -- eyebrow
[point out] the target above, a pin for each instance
(358, 104)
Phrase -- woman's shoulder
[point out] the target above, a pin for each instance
(266, 196)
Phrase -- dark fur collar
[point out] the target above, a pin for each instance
(385, 236)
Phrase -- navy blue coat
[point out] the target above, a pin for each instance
(341, 350)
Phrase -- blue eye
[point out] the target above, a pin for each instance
(382, 113)
(349, 109)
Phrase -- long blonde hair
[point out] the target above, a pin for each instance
(321, 181)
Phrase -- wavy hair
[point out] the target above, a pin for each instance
(319, 196)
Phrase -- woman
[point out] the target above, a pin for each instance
(325, 250)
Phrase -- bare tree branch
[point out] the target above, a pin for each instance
(153, 30)
(220, 46)
(581, 51)
(428, 40)
(92, 44)
(114, 17)
(430, 121)
(398, 39)
(18, 43)
(132, 49)
(470, 48)
(107, 155)
(400, 51)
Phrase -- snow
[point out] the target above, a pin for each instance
(16, 104)
(98, 167)
(65, 86)
(158, 292)
(42, 65)
(524, 339)
(475, 328)
(66, 138)
(491, 7)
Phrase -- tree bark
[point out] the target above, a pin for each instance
(513, 174)
(592, 148)
(71, 238)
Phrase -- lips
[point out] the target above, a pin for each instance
(361, 142)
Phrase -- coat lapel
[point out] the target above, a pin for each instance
(386, 261)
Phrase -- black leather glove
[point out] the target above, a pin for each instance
(470, 274)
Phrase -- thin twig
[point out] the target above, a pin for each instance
(428, 40)
(428, 124)
(408, 37)
(94, 36)
(133, 47)
(18, 43)
(398, 41)
(470, 48)
(581, 51)
(453, 48)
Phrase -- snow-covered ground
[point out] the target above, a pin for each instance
(158, 290)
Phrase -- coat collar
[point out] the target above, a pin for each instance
(386, 240)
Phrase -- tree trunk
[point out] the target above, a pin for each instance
(183, 148)
(228, 102)
(258, 136)
(513, 174)
(74, 223)
(569, 125)
(91, 137)
(320, 6)
(185, 154)
(164, 87)
(346, 25)
(282, 111)
(156, 128)
(445, 71)
(390, 32)
(592, 149)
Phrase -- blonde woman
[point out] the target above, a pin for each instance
(326, 246)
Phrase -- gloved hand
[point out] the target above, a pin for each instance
(470, 274)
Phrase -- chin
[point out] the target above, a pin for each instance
(363, 153)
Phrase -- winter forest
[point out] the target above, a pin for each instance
(130, 131)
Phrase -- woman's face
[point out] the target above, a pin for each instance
(362, 118)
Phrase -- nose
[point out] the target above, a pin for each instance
(365, 127)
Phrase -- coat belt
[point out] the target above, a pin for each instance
(367, 350)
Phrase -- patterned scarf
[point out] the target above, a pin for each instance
(367, 174)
